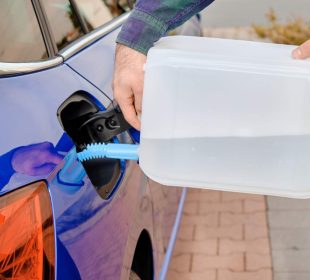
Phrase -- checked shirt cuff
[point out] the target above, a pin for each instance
(141, 31)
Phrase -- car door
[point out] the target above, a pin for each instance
(90, 238)
(93, 55)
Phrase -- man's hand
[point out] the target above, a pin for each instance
(303, 51)
(128, 83)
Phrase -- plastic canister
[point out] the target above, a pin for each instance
(227, 115)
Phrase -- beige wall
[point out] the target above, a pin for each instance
(224, 13)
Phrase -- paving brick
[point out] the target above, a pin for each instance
(254, 206)
(190, 208)
(291, 260)
(204, 232)
(259, 246)
(257, 261)
(208, 247)
(206, 275)
(205, 219)
(231, 206)
(257, 219)
(291, 276)
(262, 274)
(229, 196)
(289, 219)
(181, 263)
(195, 195)
(254, 232)
(281, 203)
(186, 232)
(233, 262)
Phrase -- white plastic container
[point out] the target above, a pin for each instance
(227, 115)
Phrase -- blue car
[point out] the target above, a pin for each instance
(59, 219)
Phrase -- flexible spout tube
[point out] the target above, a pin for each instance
(110, 150)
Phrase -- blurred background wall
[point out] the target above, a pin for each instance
(239, 13)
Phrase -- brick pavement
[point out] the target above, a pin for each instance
(222, 236)
(289, 223)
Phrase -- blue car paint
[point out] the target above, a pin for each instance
(28, 112)
(72, 173)
(95, 238)
(96, 63)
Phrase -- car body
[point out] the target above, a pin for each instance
(60, 48)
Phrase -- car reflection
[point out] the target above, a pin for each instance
(32, 160)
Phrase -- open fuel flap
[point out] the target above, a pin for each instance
(87, 123)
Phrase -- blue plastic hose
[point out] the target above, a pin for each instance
(110, 150)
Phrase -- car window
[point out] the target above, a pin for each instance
(21, 38)
(98, 12)
(64, 22)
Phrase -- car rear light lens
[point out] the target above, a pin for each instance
(27, 249)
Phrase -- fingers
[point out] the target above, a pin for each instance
(125, 100)
(128, 83)
(132, 117)
(138, 94)
(303, 51)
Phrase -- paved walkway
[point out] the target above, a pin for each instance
(222, 236)
(289, 224)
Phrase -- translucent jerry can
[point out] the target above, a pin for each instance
(227, 115)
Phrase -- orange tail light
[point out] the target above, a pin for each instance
(27, 248)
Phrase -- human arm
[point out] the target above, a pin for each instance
(151, 20)
(148, 22)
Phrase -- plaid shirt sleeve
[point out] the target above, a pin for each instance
(151, 19)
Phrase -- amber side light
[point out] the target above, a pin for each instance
(27, 249)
